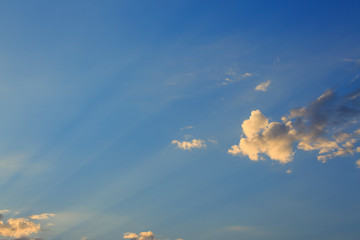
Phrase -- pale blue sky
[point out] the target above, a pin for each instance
(94, 92)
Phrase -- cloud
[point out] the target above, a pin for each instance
(188, 145)
(42, 216)
(288, 171)
(186, 127)
(241, 228)
(357, 60)
(141, 236)
(326, 126)
(274, 139)
(29, 238)
(263, 86)
(18, 227)
(358, 163)
(212, 141)
(233, 75)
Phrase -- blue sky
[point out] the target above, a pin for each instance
(193, 120)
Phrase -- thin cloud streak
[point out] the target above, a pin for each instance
(263, 86)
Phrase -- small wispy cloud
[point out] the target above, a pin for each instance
(4, 211)
(186, 127)
(263, 86)
(42, 216)
(188, 145)
(143, 236)
(240, 228)
(233, 75)
(357, 60)
(288, 171)
(212, 141)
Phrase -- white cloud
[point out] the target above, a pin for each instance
(141, 236)
(358, 163)
(42, 216)
(274, 139)
(288, 171)
(21, 227)
(323, 126)
(18, 227)
(263, 86)
(246, 75)
(188, 145)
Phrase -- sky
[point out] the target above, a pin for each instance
(179, 120)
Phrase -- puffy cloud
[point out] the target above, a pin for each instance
(274, 139)
(358, 163)
(263, 86)
(18, 227)
(21, 228)
(42, 216)
(141, 236)
(188, 145)
(326, 126)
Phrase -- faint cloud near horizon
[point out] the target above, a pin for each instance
(149, 235)
(247, 230)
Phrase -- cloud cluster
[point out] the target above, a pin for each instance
(188, 145)
(18, 227)
(141, 236)
(263, 86)
(327, 125)
(22, 227)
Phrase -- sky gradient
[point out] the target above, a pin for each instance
(179, 120)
